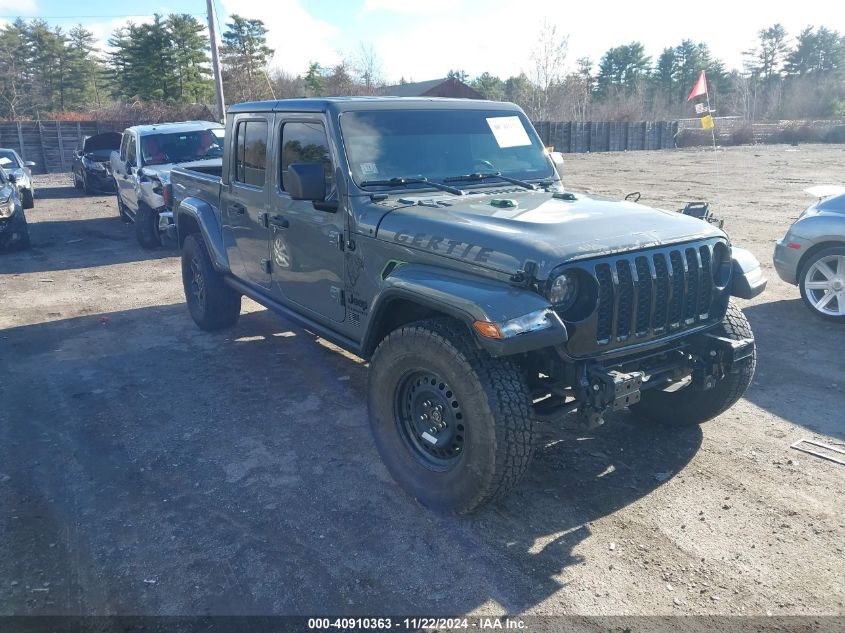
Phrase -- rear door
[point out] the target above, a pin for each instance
(306, 243)
(244, 200)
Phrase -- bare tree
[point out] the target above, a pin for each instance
(367, 66)
(548, 57)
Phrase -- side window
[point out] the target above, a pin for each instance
(123, 143)
(305, 143)
(131, 152)
(251, 154)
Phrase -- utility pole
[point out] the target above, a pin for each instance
(215, 63)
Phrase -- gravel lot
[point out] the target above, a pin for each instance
(147, 467)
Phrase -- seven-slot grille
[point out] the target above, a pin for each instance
(654, 293)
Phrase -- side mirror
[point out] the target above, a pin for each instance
(557, 161)
(12, 178)
(29, 163)
(306, 181)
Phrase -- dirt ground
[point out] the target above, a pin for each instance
(147, 467)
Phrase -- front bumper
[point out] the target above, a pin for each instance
(100, 180)
(786, 259)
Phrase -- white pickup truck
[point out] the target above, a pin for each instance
(142, 166)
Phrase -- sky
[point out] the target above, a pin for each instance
(424, 39)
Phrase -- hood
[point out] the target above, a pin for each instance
(540, 227)
(162, 172)
(104, 141)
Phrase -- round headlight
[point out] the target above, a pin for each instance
(563, 291)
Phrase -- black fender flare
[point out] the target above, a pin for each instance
(467, 298)
(203, 214)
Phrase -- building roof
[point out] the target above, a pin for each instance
(443, 87)
(415, 89)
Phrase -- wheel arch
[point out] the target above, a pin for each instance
(411, 292)
(194, 215)
(815, 248)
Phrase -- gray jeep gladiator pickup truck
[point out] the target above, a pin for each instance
(433, 238)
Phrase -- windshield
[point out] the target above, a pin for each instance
(181, 147)
(441, 144)
(9, 156)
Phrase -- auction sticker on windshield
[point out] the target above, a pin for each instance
(509, 131)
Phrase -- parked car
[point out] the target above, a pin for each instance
(14, 232)
(21, 170)
(433, 238)
(141, 170)
(91, 168)
(812, 254)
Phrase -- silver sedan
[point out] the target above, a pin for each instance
(812, 254)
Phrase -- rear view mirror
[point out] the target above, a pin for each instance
(306, 181)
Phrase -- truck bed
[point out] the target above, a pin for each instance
(200, 179)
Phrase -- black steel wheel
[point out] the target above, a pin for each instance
(451, 423)
(429, 419)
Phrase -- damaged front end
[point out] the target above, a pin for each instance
(594, 389)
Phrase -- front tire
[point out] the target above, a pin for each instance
(146, 227)
(688, 406)
(213, 305)
(451, 423)
(27, 199)
(822, 283)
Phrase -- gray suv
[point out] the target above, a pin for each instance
(433, 238)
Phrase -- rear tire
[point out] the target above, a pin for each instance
(146, 227)
(688, 406)
(76, 183)
(213, 305)
(432, 373)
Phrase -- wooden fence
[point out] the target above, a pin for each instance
(607, 136)
(50, 144)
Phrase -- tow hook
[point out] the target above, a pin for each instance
(609, 391)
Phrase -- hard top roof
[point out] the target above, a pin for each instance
(174, 128)
(343, 104)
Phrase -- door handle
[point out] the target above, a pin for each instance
(279, 221)
(238, 208)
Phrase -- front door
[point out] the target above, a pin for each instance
(306, 244)
(126, 181)
(244, 199)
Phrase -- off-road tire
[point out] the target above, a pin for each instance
(802, 280)
(495, 406)
(76, 183)
(219, 306)
(27, 199)
(689, 406)
(146, 227)
(88, 189)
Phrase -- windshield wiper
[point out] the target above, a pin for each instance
(404, 182)
(491, 174)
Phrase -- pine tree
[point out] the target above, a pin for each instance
(244, 57)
